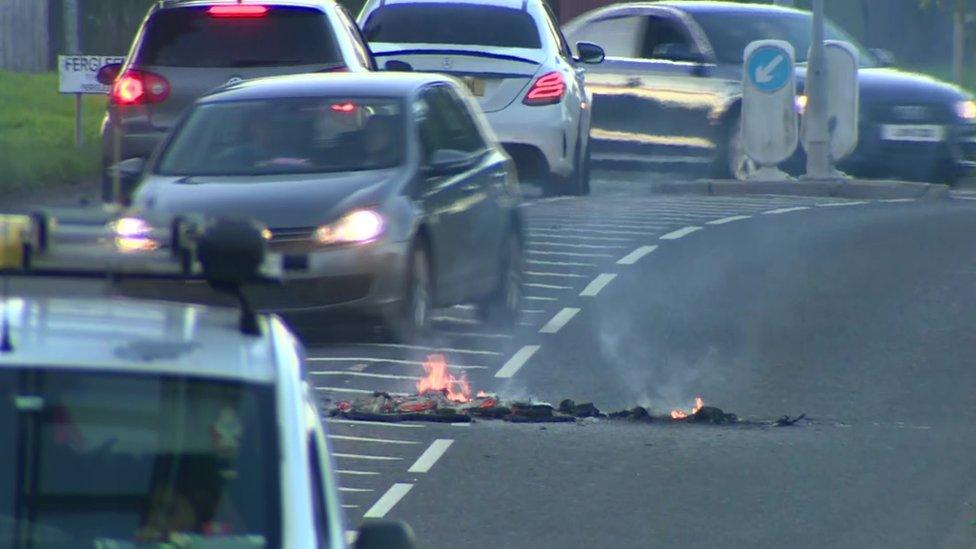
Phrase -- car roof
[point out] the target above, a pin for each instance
(693, 7)
(135, 336)
(166, 4)
(386, 84)
(513, 4)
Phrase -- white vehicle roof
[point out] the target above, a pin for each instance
(136, 336)
(514, 4)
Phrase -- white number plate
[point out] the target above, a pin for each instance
(919, 133)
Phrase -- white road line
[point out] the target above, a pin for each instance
(342, 489)
(356, 473)
(636, 255)
(541, 244)
(430, 349)
(354, 391)
(557, 322)
(454, 319)
(354, 533)
(730, 219)
(532, 311)
(479, 334)
(538, 234)
(518, 360)
(597, 231)
(366, 457)
(371, 439)
(841, 204)
(559, 263)
(598, 284)
(351, 535)
(560, 275)
(539, 298)
(785, 210)
(680, 233)
(546, 286)
(897, 200)
(388, 360)
(964, 197)
(365, 374)
(430, 455)
(567, 254)
(377, 423)
(388, 500)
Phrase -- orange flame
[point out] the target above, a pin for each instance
(438, 379)
(678, 414)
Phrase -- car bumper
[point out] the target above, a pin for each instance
(365, 280)
(547, 129)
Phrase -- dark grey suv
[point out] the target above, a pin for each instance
(186, 48)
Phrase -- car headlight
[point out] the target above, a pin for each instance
(966, 110)
(358, 227)
(133, 234)
(800, 104)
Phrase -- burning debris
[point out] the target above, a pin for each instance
(443, 397)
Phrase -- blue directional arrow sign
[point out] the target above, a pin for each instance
(769, 69)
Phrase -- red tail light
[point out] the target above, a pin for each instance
(547, 90)
(137, 87)
(238, 10)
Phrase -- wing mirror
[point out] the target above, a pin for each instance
(590, 53)
(448, 162)
(107, 74)
(385, 534)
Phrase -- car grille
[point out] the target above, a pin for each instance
(297, 239)
(908, 113)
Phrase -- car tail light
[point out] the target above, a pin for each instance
(344, 107)
(238, 10)
(546, 90)
(137, 87)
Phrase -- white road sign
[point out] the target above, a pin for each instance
(77, 73)
(769, 120)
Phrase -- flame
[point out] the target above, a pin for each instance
(482, 394)
(438, 378)
(678, 414)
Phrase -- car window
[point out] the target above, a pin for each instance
(118, 458)
(359, 44)
(444, 23)
(618, 36)
(191, 37)
(287, 136)
(447, 124)
(665, 38)
(557, 33)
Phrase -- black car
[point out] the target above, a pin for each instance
(386, 193)
(670, 91)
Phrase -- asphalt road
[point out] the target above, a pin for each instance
(857, 314)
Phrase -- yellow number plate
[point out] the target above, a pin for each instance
(12, 231)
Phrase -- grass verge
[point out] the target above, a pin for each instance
(37, 128)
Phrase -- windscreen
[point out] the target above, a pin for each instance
(467, 25)
(109, 460)
(730, 33)
(192, 37)
(287, 136)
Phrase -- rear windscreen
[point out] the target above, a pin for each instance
(192, 37)
(452, 24)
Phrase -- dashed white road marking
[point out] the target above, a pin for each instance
(785, 210)
(597, 285)
(373, 439)
(532, 311)
(430, 455)
(454, 319)
(581, 238)
(518, 360)
(540, 298)
(430, 349)
(356, 473)
(557, 322)
(897, 200)
(354, 391)
(377, 423)
(366, 457)
(546, 286)
(559, 275)
(596, 231)
(388, 500)
(730, 219)
(541, 244)
(365, 374)
(390, 361)
(567, 254)
(680, 233)
(842, 204)
(957, 197)
(361, 490)
(636, 255)
(559, 263)
(485, 335)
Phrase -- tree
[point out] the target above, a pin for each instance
(962, 12)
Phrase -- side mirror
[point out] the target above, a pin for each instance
(590, 53)
(885, 58)
(395, 65)
(108, 73)
(385, 534)
(448, 161)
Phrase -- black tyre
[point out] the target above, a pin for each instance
(412, 319)
(732, 161)
(503, 306)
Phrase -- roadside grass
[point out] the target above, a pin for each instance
(37, 128)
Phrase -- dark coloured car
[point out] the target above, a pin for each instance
(185, 49)
(386, 193)
(669, 93)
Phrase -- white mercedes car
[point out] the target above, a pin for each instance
(514, 58)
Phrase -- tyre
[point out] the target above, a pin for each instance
(501, 309)
(412, 317)
(733, 162)
(578, 182)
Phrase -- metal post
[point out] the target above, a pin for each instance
(72, 43)
(958, 46)
(79, 138)
(817, 131)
